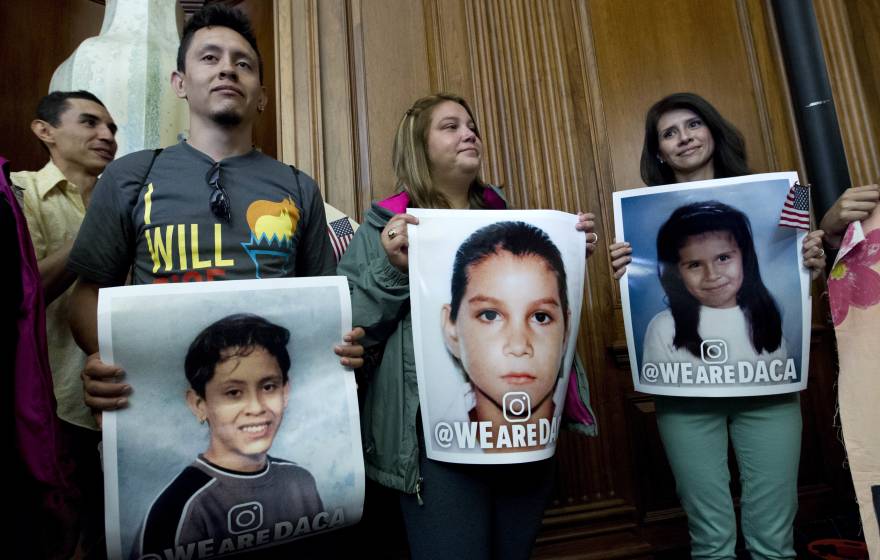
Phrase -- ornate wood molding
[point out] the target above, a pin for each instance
(359, 83)
(853, 112)
(191, 6)
(341, 122)
(521, 96)
(298, 99)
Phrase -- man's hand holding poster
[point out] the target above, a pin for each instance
(496, 301)
(242, 429)
(716, 300)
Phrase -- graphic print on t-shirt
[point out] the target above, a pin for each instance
(272, 226)
(198, 253)
(161, 243)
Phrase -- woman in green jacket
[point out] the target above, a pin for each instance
(450, 510)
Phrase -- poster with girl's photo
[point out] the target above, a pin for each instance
(242, 427)
(496, 302)
(716, 302)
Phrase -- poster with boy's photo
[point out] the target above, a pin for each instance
(242, 427)
(496, 302)
(716, 301)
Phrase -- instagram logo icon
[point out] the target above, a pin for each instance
(244, 517)
(713, 351)
(517, 406)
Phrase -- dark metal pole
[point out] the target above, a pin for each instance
(814, 107)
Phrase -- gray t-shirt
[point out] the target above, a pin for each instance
(163, 224)
(208, 510)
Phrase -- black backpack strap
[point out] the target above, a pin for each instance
(296, 176)
(156, 153)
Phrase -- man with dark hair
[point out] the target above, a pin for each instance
(209, 208)
(51, 107)
(234, 492)
(80, 136)
(217, 16)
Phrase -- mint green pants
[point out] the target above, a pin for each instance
(766, 436)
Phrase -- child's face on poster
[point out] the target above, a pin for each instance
(510, 330)
(244, 404)
(711, 268)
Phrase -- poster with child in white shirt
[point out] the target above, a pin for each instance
(716, 301)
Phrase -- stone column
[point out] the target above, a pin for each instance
(128, 66)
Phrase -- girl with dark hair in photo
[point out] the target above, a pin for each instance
(687, 139)
(507, 322)
(449, 510)
(710, 274)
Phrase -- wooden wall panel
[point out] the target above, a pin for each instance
(774, 104)
(395, 73)
(262, 18)
(376, 66)
(449, 35)
(339, 126)
(525, 115)
(299, 93)
(864, 19)
(646, 50)
(849, 31)
(29, 58)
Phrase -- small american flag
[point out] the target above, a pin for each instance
(340, 232)
(796, 210)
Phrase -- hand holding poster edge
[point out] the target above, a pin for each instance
(452, 222)
(635, 267)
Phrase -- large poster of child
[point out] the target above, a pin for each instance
(716, 301)
(496, 301)
(242, 427)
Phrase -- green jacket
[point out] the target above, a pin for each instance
(380, 304)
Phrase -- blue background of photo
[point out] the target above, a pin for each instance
(776, 246)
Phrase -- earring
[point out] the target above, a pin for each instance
(660, 159)
(202, 419)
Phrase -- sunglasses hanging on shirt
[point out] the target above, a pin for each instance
(219, 201)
